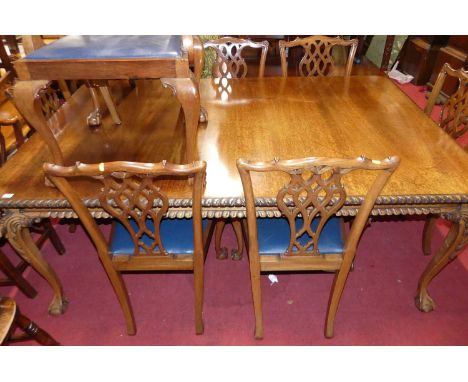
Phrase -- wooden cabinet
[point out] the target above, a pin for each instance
(419, 55)
(456, 54)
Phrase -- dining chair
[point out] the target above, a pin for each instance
(305, 233)
(318, 59)
(453, 119)
(143, 237)
(11, 318)
(7, 72)
(229, 63)
(32, 43)
(11, 121)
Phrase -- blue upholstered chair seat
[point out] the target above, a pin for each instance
(176, 236)
(109, 47)
(274, 234)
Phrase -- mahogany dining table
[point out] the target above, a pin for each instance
(258, 119)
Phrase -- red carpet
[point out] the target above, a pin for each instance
(377, 306)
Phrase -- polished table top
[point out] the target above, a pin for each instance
(258, 119)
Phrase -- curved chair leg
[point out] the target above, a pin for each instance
(72, 227)
(335, 295)
(53, 236)
(256, 294)
(236, 254)
(221, 252)
(122, 295)
(428, 231)
(198, 277)
(254, 267)
(110, 104)
(15, 277)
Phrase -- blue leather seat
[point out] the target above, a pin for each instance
(274, 235)
(176, 236)
(98, 47)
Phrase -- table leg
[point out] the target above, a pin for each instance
(236, 254)
(198, 65)
(17, 232)
(221, 252)
(187, 94)
(454, 242)
(428, 231)
(203, 115)
(94, 118)
(110, 104)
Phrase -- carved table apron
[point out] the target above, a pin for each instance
(258, 119)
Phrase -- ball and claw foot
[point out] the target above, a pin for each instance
(203, 115)
(424, 303)
(222, 254)
(57, 307)
(94, 119)
(235, 255)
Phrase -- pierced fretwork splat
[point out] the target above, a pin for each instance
(50, 101)
(317, 60)
(136, 196)
(229, 62)
(454, 113)
(310, 194)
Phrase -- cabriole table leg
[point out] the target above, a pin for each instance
(17, 226)
(187, 94)
(454, 242)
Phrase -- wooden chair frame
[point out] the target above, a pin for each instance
(228, 63)
(11, 317)
(310, 64)
(324, 200)
(149, 259)
(15, 124)
(454, 112)
(229, 59)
